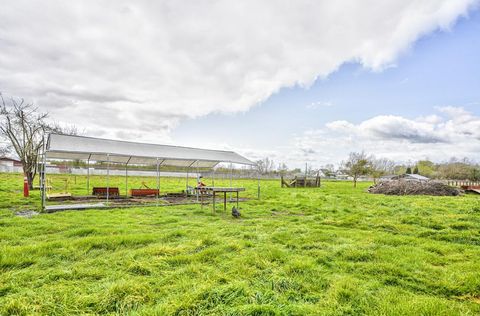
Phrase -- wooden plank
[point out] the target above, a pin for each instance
(65, 207)
(223, 189)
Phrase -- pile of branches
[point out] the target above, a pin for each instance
(406, 187)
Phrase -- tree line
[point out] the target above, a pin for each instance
(361, 164)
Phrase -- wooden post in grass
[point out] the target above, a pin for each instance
(305, 181)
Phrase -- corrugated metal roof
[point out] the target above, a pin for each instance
(99, 149)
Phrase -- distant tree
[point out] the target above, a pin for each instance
(381, 167)
(25, 128)
(296, 170)
(415, 170)
(265, 166)
(475, 174)
(457, 169)
(399, 169)
(426, 168)
(282, 169)
(409, 170)
(357, 164)
(328, 170)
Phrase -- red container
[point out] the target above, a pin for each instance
(26, 192)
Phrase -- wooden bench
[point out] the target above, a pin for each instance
(102, 191)
(144, 192)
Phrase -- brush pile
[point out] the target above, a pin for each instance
(406, 187)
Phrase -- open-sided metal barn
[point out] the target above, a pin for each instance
(126, 153)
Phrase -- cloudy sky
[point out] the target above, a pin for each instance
(293, 80)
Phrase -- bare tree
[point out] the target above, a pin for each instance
(25, 128)
(381, 167)
(357, 164)
(265, 166)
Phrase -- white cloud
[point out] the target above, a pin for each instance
(457, 134)
(132, 69)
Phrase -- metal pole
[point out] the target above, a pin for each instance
(186, 182)
(88, 176)
(126, 176)
(108, 177)
(158, 181)
(305, 182)
(44, 171)
(231, 176)
(258, 185)
(198, 178)
(126, 180)
(213, 177)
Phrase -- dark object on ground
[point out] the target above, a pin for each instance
(405, 187)
(235, 212)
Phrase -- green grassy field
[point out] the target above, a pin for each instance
(333, 250)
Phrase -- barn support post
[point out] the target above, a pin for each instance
(108, 177)
(198, 180)
(88, 174)
(213, 176)
(231, 178)
(186, 182)
(158, 182)
(126, 176)
(160, 177)
(42, 177)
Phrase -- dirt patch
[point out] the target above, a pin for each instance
(406, 187)
(26, 214)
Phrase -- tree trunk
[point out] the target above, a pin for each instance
(29, 173)
(354, 182)
(30, 177)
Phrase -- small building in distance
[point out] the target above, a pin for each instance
(10, 162)
(406, 177)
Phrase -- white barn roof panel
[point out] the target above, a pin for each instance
(98, 149)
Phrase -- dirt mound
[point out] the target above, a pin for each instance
(403, 187)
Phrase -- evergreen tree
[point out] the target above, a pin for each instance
(415, 171)
(409, 171)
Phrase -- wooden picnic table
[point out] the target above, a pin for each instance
(215, 190)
